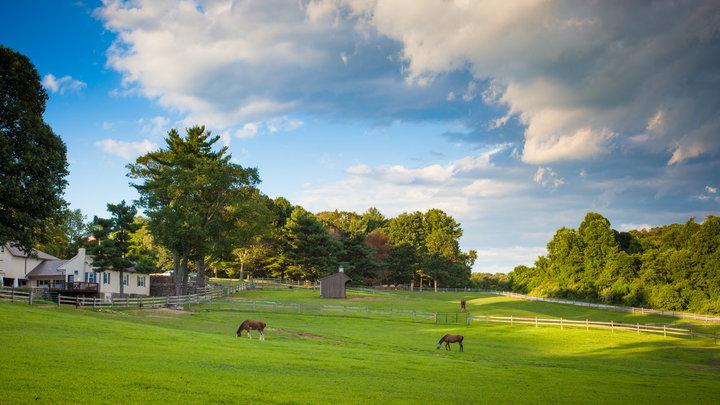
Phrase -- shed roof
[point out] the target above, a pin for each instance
(338, 274)
(48, 268)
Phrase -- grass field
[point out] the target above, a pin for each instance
(52, 355)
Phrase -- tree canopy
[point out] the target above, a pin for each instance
(673, 267)
(33, 161)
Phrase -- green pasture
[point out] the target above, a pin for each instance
(66, 355)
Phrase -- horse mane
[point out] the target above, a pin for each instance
(443, 338)
(245, 322)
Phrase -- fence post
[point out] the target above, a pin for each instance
(587, 324)
(536, 322)
(664, 331)
(561, 324)
(12, 295)
(435, 318)
(77, 301)
(638, 328)
(511, 319)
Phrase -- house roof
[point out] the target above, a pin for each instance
(334, 275)
(48, 268)
(17, 252)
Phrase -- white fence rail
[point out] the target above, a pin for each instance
(588, 324)
(647, 311)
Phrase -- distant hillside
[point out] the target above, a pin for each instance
(673, 267)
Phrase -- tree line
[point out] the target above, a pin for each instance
(673, 267)
(205, 214)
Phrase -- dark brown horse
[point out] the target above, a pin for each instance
(447, 339)
(249, 325)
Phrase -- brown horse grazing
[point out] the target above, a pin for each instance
(249, 325)
(447, 339)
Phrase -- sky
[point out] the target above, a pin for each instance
(515, 117)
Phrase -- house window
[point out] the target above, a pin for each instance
(42, 283)
(141, 281)
(90, 277)
(106, 278)
(71, 278)
(126, 279)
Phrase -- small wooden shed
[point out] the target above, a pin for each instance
(333, 286)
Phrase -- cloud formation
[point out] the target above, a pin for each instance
(578, 75)
(62, 85)
(582, 78)
(126, 150)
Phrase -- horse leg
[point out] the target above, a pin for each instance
(447, 346)
(461, 346)
(249, 335)
(262, 335)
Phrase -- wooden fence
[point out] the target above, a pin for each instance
(15, 295)
(359, 311)
(37, 296)
(588, 324)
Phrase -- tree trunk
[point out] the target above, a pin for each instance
(177, 277)
(122, 283)
(241, 270)
(183, 276)
(200, 269)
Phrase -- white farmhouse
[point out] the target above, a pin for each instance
(75, 276)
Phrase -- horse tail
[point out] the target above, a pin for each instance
(442, 339)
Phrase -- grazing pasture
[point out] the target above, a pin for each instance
(52, 354)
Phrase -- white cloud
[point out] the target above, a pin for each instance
(282, 124)
(156, 126)
(491, 188)
(126, 150)
(470, 91)
(548, 178)
(62, 85)
(630, 227)
(359, 169)
(711, 190)
(467, 167)
(248, 130)
(504, 259)
(271, 126)
(225, 138)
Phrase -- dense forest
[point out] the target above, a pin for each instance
(673, 267)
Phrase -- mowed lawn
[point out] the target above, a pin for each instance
(52, 355)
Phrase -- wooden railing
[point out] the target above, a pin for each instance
(79, 286)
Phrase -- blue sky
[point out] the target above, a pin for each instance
(514, 117)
